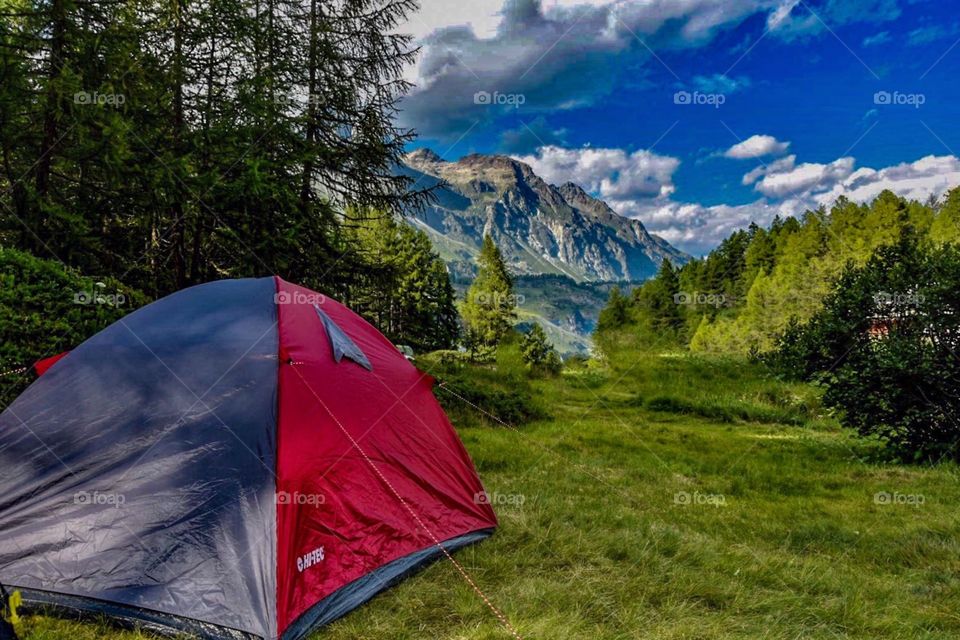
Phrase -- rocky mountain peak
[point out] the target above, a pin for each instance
(422, 157)
(541, 228)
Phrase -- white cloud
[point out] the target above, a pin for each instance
(792, 190)
(694, 227)
(932, 33)
(805, 178)
(720, 83)
(780, 17)
(882, 37)
(918, 180)
(793, 19)
(614, 174)
(481, 16)
(785, 163)
(756, 146)
(565, 54)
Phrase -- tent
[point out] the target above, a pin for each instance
(241, 459)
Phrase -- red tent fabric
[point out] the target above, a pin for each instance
(42, 365)
(389, 476)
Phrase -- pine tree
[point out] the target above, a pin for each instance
(946, 226)
(489, 308)
(399, 283)
(233, 134)
(537, 351)
(616, 313)
(661, 298)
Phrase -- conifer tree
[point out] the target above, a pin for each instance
(489, 308)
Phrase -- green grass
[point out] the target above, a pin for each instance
(681, 498)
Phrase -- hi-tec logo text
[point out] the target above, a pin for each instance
(309, 559)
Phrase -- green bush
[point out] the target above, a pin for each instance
(46, 308)
(885, 349)
(538, 353)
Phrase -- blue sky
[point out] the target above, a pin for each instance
(697, 116)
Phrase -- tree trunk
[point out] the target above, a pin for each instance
(52, 111)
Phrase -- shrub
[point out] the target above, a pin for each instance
(885, 348)
(46, 308)
(538, 353)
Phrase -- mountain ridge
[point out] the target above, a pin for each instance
(541, 228)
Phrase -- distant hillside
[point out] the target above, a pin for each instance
(539, 227)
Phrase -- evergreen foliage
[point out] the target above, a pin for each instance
(163, 144)
(537, 352)
(175, 142)
(489, 308)
(46, 309)
(748, 291)
(885, 348)
(402, 285)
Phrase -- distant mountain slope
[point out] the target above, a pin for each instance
(539, 227)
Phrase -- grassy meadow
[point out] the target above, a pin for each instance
(679, 497)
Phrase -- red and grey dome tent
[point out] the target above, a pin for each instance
(241, 459)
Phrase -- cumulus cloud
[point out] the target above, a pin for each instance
(918, 180)
(613, 174)
(697, 228)
(791, 190)
(756, 146)
(785, 163)
(804, 178)
(481, 16)
(558, 55)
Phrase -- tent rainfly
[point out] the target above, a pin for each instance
(241, 459)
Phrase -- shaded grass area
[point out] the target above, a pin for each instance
(631, 513)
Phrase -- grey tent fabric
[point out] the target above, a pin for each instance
(139, 470)
(341, 343)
